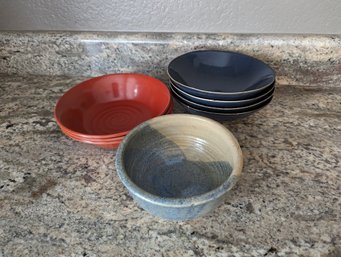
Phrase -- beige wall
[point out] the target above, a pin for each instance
(236, 16)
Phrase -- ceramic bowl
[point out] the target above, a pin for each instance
(221, 116)
(111, 105)
(220, 75)
(222, 109)
(93, 141)
(179, 166)
(106, 143)
(221, 103)
(107, 146)
(89, 138)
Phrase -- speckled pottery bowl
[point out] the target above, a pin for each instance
(179, 166)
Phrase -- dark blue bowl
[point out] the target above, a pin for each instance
(220, 75)
(221, 103)
(218, 116)
(220, 109)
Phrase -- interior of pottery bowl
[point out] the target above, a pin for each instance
(178, 159)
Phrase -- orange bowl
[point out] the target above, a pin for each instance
(111, 105)
(91, 138)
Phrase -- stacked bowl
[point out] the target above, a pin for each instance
(221, 85)
(102, 110)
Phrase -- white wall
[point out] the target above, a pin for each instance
(239, 16)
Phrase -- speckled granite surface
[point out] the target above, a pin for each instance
(59, 197)
(297, 59)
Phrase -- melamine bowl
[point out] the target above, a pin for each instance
(221, 75)
(179, 166)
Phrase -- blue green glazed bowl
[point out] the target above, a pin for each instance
(179, 166)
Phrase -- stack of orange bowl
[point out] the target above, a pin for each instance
(102, 110)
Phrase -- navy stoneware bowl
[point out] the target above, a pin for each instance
(220, 75)
(222, 116)
(221, 103)
(223, 109)
(179, 166)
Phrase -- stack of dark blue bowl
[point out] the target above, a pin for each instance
(221, 85)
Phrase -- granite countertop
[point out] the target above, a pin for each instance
(59, 197)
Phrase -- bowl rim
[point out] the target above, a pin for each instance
(164, 111)
(210, 100)
(93, 141)
(227, 114)
(187, 201)
(224, 109)
(191, 87)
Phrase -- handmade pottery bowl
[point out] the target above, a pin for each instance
(221, 103)
(179, 166)
(220, 75)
